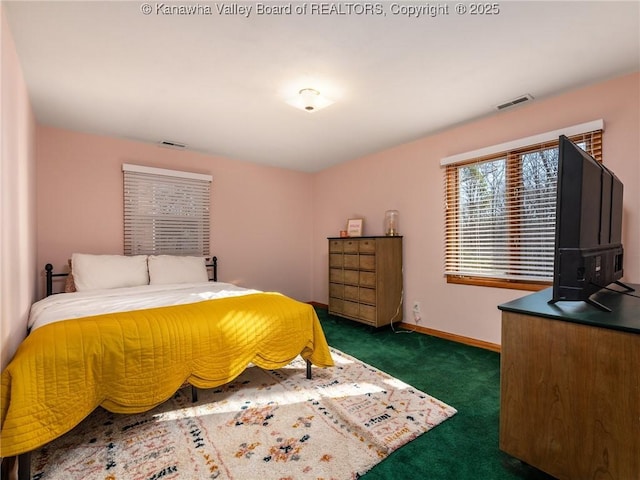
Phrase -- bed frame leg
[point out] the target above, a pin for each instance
(24, 466)
(194, 394)
(308, 370)
(9, 468)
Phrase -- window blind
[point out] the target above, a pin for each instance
(166, 211)
(500, 212)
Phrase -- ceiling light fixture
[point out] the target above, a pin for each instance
(309, 100)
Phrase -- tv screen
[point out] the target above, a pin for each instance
(588, 237)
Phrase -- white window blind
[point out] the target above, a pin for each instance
(500, 212)
(165, 211)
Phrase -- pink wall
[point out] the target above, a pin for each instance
(17, 199)
(260, 221)
(269, 226)
(409, 178)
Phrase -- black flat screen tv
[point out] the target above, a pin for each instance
(588, 252)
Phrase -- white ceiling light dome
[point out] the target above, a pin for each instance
(310, 100)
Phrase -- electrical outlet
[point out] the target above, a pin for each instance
(417, 312)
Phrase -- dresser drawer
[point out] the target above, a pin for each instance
(350, 246)
(368, 313)
(350, 293)
(367, 295)
(351, 276)
(368, 262)
(351, 308)
(367, 279)
(350, 261)
(367, 246)
(336, 305)
(335, 246)
(336, 275)
(335, 260)
(336, 290)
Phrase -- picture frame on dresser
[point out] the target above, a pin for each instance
(354, 227)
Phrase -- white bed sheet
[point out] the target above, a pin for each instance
(64, 306)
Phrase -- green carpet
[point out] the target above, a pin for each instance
(468, 378)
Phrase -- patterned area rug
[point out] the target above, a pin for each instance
(264, 425)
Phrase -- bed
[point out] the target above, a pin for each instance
(131, 331)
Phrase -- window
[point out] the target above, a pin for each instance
(500, 212)
(165, 211)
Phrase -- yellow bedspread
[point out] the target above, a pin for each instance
(132, 361)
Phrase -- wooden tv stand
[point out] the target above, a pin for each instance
(570, 385)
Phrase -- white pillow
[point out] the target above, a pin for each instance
(164, 269)
(93, 272)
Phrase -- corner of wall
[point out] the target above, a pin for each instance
(17, 203)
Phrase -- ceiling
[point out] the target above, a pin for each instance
(218, 82)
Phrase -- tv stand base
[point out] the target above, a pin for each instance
(595, 303)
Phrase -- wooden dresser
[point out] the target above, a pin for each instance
(570, 385)
(365, 279)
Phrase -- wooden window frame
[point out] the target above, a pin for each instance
(514, 162)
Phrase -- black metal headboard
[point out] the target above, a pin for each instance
(50, 275)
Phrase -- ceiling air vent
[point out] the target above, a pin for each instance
(515, 101)
(169, 144)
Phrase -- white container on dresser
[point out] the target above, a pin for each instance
(365, 279)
